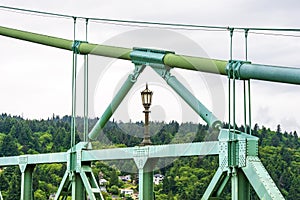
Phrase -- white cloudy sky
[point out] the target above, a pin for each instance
(36, 80)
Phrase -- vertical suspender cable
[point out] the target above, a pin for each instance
(249, 82)
(229, 85)
(86, 106)
(233, 96)
(249, 90)
(74, 66)
(233, 102)
(245, 106)
(244, 84)
(249, 104)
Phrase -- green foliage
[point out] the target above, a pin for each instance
(114, 179)
(14, 187)
(114, 190)
(9, 146)
(40, 195)
(186, 178)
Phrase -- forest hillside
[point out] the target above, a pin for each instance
(184, 178)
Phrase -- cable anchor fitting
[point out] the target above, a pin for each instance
(76, 45)
(233, 68)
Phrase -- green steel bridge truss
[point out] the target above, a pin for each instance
(237, 151)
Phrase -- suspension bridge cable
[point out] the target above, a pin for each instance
(161, 27)
(151, 24)
(38, 13)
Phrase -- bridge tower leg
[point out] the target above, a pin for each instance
(26, 179)
(79, 181)
(145, 166)
(240, 187)
(239, 162)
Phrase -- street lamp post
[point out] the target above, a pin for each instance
(146, 99)
(146, 188)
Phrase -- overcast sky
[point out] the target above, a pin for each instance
(35, 81)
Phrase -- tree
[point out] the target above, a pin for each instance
(294, 193)
(40, 195)
(296, 140)
(114, 190)
(4, 182)
(114, 179)
(200, 135)
(255, 130)
(278, 132)
(262, 137)
(275, 140)
(9, 146)
(14, 189)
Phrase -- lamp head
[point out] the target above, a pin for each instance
(146, 97)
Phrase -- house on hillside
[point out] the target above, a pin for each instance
(126, 178)
(127, 191)
(51, 197)
(158, 178)
(102, 181)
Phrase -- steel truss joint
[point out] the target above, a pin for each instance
(145, 56)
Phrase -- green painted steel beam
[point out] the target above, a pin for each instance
(146, 186)
(111, 108)
(260, 180)
(84, 48)
(9, 161)
(127, 85)
(270, 73)
(155, 151)
(247, 71)
(185, 149)
(184, 62)
(194, 103)
(26, 183)
(79, 189)
(243, 186)
(196, 63)
(34, 159)
(141, 180)
(108, 154)
(90, 183)
(217, 180)
(148, 189)
(63, 187)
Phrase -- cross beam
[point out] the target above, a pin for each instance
(154, 151)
